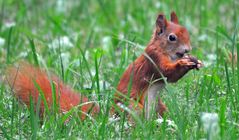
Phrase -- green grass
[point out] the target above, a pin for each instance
(105, 37)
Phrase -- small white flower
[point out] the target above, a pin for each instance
(104, 84)
(61, 6)
(87, 55)
(9, 24)
(210, 124)
(23, 54)
(210, 61)
(121, 36)
(106, 42)
(203, 37)
(212, 57)
(114, 118)
(2, 41)
(65, 58)
(159, 120)
(106, 39)
(158, 4)
(63, 41)
(170, 123)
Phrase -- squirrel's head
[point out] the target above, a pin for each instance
(171, 37)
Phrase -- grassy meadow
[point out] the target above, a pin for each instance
(89, 44)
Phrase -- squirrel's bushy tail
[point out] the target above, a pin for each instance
(28, 81)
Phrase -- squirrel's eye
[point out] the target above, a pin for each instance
(172, 37)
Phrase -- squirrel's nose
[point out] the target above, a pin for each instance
(188, 49)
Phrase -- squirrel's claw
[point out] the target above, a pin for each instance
(199, 64)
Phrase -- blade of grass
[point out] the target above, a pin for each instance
(9, 45)
(66, 116)
(86, 63)
(237, 77)
(229, 89)
(55, 93)
(98, 56)
(12, 116)
(61, 62)
(33, 48)
(222, 115)
(42, 96)
(33, 119)
(2, 14)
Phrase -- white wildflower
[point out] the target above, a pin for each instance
(87, 55)
(9, 24)
(121, 36)
(170, 123)
(60, 6)
(114, 118)
(159, 120)
(210, 124)
(65, 58)
(106, 42)
(2, 41)
(212, 57)
(203, 37)
(23, 54)
(158, 4)
(63, 42)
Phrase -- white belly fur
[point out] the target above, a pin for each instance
(152, 98)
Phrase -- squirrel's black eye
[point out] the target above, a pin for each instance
(172, 37)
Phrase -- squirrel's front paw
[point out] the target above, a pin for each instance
(187, 62)
(197, 63)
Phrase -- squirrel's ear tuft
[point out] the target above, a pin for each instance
(174, 18)
(161, 22)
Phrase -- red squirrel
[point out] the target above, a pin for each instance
(28, 81)
(165, 56)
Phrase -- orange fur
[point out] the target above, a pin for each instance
(24, 81)
(162, 52)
